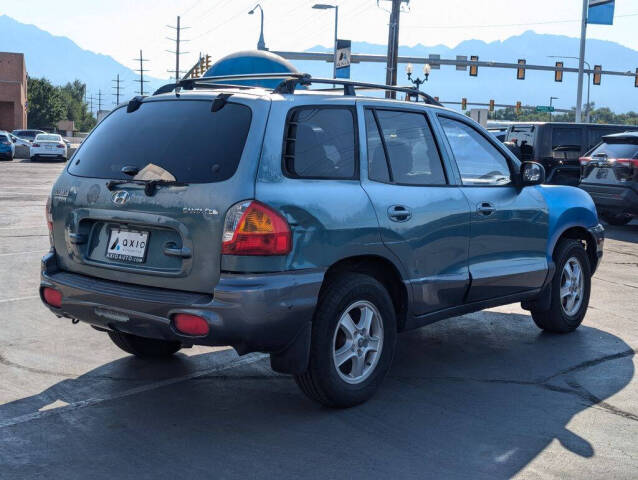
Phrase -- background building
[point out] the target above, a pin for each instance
(13, 91)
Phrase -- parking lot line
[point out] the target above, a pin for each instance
(17, 299)
(245, 360)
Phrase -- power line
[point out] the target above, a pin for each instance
(117, 89)
(141, 71)
(548, 22)
(177, 41)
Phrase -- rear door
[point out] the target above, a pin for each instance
(424, 219)
(168, 236)
(509, 226)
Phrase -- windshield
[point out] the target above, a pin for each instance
(182, 138)
(520, 134)
(48, 138)
(617, 149)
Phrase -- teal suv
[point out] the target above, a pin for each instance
(313, 226)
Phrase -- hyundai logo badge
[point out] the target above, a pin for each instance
(120, 197)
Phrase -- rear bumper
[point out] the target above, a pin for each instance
(611, 198)
(250, 312)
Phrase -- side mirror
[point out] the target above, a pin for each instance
(532, 173)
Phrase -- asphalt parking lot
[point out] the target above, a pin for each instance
(485, 395)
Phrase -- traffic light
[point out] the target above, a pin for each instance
(558, 73)
(636, 81)
(474, 68)
(491, 105)
(597, 74)
(207, 62)
(464, 103)
(520, 71)
(518, 108)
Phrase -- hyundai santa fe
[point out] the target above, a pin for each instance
(313, 226)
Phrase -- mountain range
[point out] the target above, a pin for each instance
(98, 71)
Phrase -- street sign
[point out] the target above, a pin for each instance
(343, 58)
(544, 108)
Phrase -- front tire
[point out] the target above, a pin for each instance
(353, 341)
(570, 289)
(144, 347)
(617, 219)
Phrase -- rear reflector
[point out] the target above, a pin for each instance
(190, 324)
(52, 297)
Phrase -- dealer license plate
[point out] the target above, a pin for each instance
(127, 245)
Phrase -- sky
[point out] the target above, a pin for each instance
(120, 28)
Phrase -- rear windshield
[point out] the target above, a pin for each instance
(521, 134)
(617, 149)
(182, 139)
(48, 138)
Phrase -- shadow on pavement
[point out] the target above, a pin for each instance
(478, 396)
(623, 233)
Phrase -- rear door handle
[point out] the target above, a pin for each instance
(485, 208)
(399, 213)
(170, 249)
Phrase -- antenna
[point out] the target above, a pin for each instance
(177, 52)
(141, 71)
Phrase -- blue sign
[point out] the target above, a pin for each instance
(342, 60)
(601, 12)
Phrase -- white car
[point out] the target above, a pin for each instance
(48, 145)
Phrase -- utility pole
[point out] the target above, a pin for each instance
(117, 89)
(178, 29)
(90, 99)
(393, 46)
(581, 61)
(141, 72)
(99, 100)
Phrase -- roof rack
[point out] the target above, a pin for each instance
(289, 81)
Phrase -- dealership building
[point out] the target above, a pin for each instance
(13, 91)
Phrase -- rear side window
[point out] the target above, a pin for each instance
(617, 149)
(182, 139)
(563, 137)
(405, 152)
(479, 162)
(320, 143)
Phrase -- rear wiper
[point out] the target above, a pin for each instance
(150, 186)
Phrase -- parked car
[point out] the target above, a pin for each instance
(19, 141)
(7, 148)
(311, 226)
(610, 176)
(27, 134)
(48, 145)
(558, 145)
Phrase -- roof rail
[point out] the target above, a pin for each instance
(289, 81)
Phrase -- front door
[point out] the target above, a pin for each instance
(424, 219)
(509, 225)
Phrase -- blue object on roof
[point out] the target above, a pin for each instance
(252, 61)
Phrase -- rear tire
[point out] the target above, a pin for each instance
(569, 290)
(367, 342)
(144, 347)
(618, 219)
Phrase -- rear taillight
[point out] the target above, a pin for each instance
(584, 160)
(252, 228)
(59, 145)
(49, 218)
(52, 297)
(192, 325)
(36, 145)
(631, 162)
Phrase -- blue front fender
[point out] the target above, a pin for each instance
(568, 207)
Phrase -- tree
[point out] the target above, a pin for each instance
(46, 105)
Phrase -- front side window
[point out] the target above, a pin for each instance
(479, 162)
(320, 143)
(405, 151)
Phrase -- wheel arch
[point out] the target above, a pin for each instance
(384, 271)
(578, 232)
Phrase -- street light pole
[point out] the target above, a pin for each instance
(261, 44)
(325, 6)
(587, 108)
(581, 61)
(550, 107)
